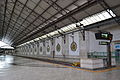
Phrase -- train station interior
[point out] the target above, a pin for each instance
(59, 39)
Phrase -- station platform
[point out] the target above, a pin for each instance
(19, 68)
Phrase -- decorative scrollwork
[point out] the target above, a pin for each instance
(58, 47)
(48, 48)
(73, 46)
(40, 49)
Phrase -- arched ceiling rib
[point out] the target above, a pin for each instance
(23, 20)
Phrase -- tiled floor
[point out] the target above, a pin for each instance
(17, 68)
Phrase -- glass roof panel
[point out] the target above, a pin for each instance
(4, 45)
(86, 21)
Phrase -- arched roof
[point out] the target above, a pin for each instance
(24, 20)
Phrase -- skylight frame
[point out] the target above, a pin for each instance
(103, 15)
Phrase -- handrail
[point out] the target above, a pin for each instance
(100, 54)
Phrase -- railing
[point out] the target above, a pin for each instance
(104, 55)
(101, 54)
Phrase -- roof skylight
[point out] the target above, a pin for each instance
(97, 17)
(4, 45)
(86, 21)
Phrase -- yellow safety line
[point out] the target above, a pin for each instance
(105, 70)
(115, 68)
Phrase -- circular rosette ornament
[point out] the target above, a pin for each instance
(73, 46)
(48, 48)
(40, 49)
(58, 47)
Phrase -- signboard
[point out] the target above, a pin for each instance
(104, 36)
(117, 46)
(103, 43)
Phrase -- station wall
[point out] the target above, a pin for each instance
(115, 30)
(58, 46)
(70, 45)
(93, 44)
(48, 47)
(40, 48)
(74, 43)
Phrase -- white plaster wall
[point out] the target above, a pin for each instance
(34, 49)
(31, 49)
(90, 44)
(23, 50)
(48, 42)
(76, 40)
(37, 47)
(40, 45)
(20, 50)
(52, 46)
(27, 50)
(58, 40)
(83, 45)
(115, 30)
(94, 44)
(65, 45)
(44, 49)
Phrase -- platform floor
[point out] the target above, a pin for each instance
(17, 68)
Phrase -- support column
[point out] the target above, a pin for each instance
(83, 45)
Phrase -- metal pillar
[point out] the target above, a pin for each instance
(109, 54)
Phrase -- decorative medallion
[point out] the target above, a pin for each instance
(40, 49)
(35, 50)
(73, 46)
(48, 48)
(58, 47)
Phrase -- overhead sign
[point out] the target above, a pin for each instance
(104, 36)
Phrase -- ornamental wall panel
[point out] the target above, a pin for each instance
(48, 47)
(74, 48)
(40, 48)
(58, 46)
